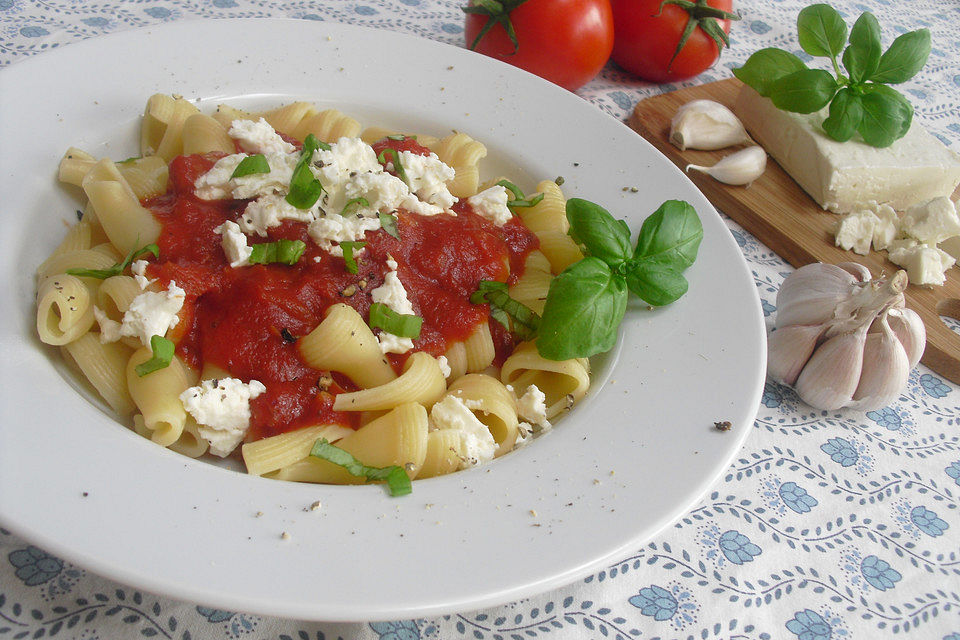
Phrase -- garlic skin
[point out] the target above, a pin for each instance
(843, 339)
(706, 125)
(740, 168)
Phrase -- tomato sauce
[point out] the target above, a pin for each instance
(248, 320)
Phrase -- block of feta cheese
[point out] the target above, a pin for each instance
(850, 176)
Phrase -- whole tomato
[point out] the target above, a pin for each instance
(665, 41)
(565, 41)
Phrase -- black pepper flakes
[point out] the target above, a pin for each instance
(287, 336)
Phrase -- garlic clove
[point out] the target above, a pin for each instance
(810, 294)
(885, 370)
(740, 168)
(706, 125)
(857, 270)
(907, 325)
(832, 374)
(788, 350)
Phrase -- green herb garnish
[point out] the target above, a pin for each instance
(515, 316)
(354, 203)
(587, 300)
(117, 269)
(519, 200)
(397, 479)
(162, 356)
(348, 249)
(860, 101)
(403, 325)
(397, 167)
(305, 189)
(389, 224)
(251, 165)
(282, 251)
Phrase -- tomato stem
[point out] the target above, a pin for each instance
(498, 12)
(700, 15)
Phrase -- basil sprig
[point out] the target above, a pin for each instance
(348, 248)
(860, 101)
(251, 165)
(519, 200)
(397, 479)
(515, 316)
(403, 325)
(587, 300)
(354, 204)
(162, 356)
(117, 269)
(305, 189)
(389, 224)
(397, 166)
(282, 251)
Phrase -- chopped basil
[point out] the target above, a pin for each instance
(514, 315)
(117, 269)
(403, 325)
(282, 251)
(389, 224)
(305, 189)
(397, 479)
(348, 249)
(401, 173)
(519, 200)
(399, 137)
(354, 203)
(162, 356)
(251, 165)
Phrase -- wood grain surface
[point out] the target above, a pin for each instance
(781, 215)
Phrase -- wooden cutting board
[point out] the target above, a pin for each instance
(781, 215)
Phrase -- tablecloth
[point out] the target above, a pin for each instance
(827, 525)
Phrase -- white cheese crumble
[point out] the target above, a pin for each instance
(428, 176)
(532, 407)
(394, 295)
(925, 265)
(477, 442)
(150, 314)
(444, 366)
(139, 270)
(234, 244)
(258, 137)
(222, 411)
(218, 183)
(855, 231)
(492, 204)
(931, 222)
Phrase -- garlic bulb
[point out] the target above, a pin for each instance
(706, 125)
(740, 168)
(843, 339)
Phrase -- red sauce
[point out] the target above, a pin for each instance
(247, 320)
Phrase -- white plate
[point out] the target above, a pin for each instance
(624, 464)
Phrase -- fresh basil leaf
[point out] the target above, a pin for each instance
(397, 165)
(515, 316)
(904, 59)
(765, 67)
(593, 227)
(519, 200)
(863, 55)
(804, 91)
(251, 165)
(585, 305)
(821, 30)
(354, 204)
(846, 112)
(348, 248)
(671, 235)
(404, 325)
(389, 224)
(656, 284)
(397, 479)
(282, 251)
(161, 359)
(118, 268)
(887, 115)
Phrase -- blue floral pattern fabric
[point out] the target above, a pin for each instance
(828, 524)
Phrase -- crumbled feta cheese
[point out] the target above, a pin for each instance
(444, 366)
(855, 231)
(331, 228)
(427, 177)
(531, 406)
(887, 227)
(150, 314)
(269, 211)
(139, 270)
(258, 137)
(234, 244)
(477, 442)
(925, 265)
(931, 222)
(492, 204)
(393, 294)
(218, 183)
(222, 411)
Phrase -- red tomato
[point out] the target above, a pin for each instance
(565, 41)
(647, 37)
